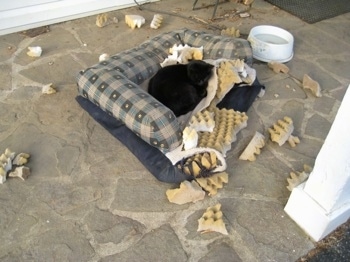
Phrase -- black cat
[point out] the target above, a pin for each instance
(181, 87)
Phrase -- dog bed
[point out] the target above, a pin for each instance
(111, 93)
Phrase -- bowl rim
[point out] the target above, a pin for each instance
(290, 39)
(275, 60)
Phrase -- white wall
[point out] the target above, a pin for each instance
(322, 203)
(19, 15)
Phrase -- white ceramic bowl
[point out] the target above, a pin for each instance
(271, 43)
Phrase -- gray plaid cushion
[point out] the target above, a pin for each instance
(217, 46)
(113, 85)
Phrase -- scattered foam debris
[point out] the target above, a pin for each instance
(309, 83)
(183, 54)
(244, 15)
(3, 175)
(183, 159)
(8, 161)
(189, 138)
(228, 124)
(134, 21)
(227, 77)
(253, 148)
(9, 154)
(278, 67)
(21, 172)
(103, 20)
(296, 178)
(103, 57)
(293, 140)
(231, 72)
(48, 89)
(203, 121)
(156, 21)
(281, 132)
(231, 31)
(211, 221)
(200, 165)
(21, 159)
(213, 183)
(188, 192)
(34, 51)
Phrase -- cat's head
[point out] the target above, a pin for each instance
(199, 72)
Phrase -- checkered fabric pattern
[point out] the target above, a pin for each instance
(113, 84)
(217, 46)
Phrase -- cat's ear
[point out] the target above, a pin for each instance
(210, 66)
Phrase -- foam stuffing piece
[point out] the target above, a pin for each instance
(281, 132)
(3, 175)
(21, 172)
(189, 138)
(203, 121)
(213, 183)
(212, 221)
(253, 148)
(34, 51)
(309, 83)
(199, 165)
(296, 178)
(134, 21)
(231, 31)
(6, 162)
(21, 159)
(228, 123)
(278, 67)
(48, 89)
(156, 21)
(102, 20)
(187, 192)
(227, 77)
(183, 54)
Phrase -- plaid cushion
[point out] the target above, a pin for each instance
(217, 46)
(119, 97)
(140, 63)
(113, 84)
